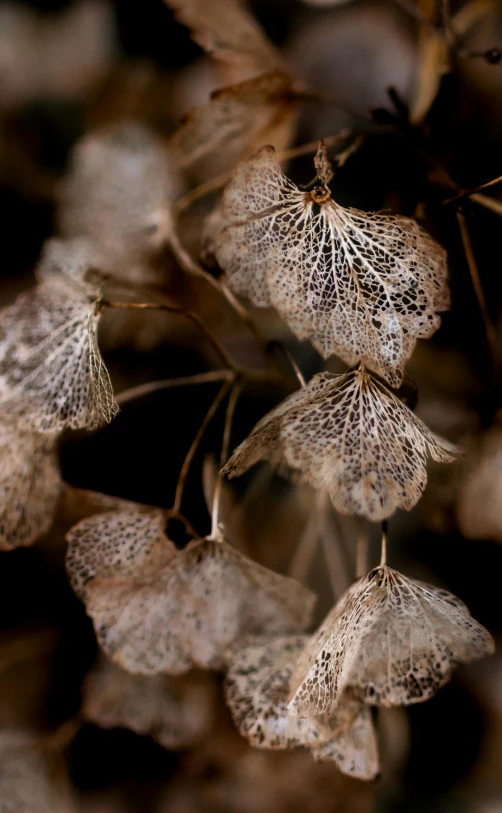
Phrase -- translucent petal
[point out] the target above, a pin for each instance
(352, 437)
(362, 286)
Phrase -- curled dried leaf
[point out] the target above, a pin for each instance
(51, 370)
(226, 30)
(257, 689)
(30, 484)
(118, 192)
(394, 640)
(235, 122)
(362, 286)
(176, 712)
(166, 615)
(351, 436)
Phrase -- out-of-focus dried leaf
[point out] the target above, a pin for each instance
(479, 499)
(351, 436)
(155, 610)
(30, 483)
(226, 30)
(176, 712)
(235, 122)
(362, 286)
(394, 640)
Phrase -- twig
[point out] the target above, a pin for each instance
(362, 549)
(275, 343)
(195, 443)
(167, 383)
(232, 403)
(383, 560)
(468, 192)
(491, 335)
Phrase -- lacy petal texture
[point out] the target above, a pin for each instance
(351, 436)
(393, 640)
(156, 609)
(362, 286)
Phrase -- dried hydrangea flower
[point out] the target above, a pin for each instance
(30, 483)
(394, 640)
(480, 496)
(226, 30)
(349, 435)
(158, 610)
(257, 689)
(235, 122)
(176, 712)
(51, 371)
(362, 286)
(118, 193)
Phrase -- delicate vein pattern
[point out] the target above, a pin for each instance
(26, 781)
(256, 691)
(362, 286)
(480, 496)
(176, 712)
(154, 614)
(351, 436)
(235, 122)
(394, 640)
(118, 193)
(30, 484)
(226, 30)
(51, 370)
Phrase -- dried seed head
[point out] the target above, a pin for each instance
(176, 712)
(118, 194)
(235, 122)
(156, 616)
(256, 691)
(51, 370)
(30, 484)
(351, 436)
(394, 640)
(362, 286)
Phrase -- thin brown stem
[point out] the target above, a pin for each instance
(468, 192)
(28, 646)
(362, 546)
(491, 335)
(383, 559)
(178, 497)
(229, 415)
(167, 383)
(60, 739)
(275, 343)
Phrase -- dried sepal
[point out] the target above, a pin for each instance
(52, 374)
(235, 122)
(256, 691)
(176, 712)
(226, 30)
(480, 494)
(362, 286)
(166, 615)
(118, 193)
(393, 640)
(351, 436)
(30, 484)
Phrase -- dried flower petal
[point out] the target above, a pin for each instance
(351, 436)
(30, 484)
(362, 286)
(155, 614)
(226, 30)
(176, 712)
(256, 691)
(118, 193)
(394, 640)
(51, 370)
(235, 122)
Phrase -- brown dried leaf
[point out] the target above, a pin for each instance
(235, 122)
(478, 507)
(176, 712)
(256, 691)
(362, 286)
(351, 436)
(163, 612)
(226, 30)
(394, 640)
(30, 484)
